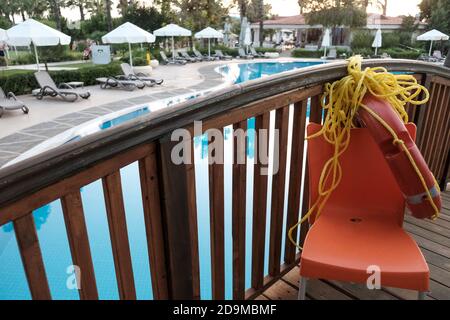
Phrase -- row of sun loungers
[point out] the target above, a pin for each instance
(129, 80)
(182, 57)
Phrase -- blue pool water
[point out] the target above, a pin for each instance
(251, 71)
(54, 243)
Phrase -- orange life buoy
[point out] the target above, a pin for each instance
(408, 180)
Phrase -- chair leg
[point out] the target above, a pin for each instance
(302, 288)
(422, 295)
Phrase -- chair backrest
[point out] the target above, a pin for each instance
(253, 51)
(197, 53)
(437, 54)
(219, 53)
(44, 80)
(127, 69)
(163, 55)
(2, 93)
(241, 52)
(332, 53)
(367, 186)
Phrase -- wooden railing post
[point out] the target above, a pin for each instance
(177, 222)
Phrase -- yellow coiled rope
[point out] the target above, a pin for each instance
(341, 100)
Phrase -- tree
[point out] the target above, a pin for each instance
(243, 6)
(333, 13)
(437, 14)
(55, 8)
(108, 14)
(81, 5)
(198, 14)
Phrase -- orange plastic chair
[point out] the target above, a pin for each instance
(361, 224)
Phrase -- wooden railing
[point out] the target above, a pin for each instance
(168, 190)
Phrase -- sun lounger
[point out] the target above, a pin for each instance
(438, 55)
(64, 90)
(256, 54)
(170, 61)
(129, 72)
(10, 102)
(222, 56)
(126, 84)
(205, 57)
(185, 56)
(332, 54)
(243, 55)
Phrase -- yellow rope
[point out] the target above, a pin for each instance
(341, 100)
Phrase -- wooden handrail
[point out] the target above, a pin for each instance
(30, 175)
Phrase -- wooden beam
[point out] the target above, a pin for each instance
(176, 223)
(217, 224)
(112, 189)
(239, 212)
(278, 190)
(259, 205)
(28, 243)
(148, 172)
(296, 173)
(79, 244)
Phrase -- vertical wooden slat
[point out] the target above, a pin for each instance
(424, 111)
(30, 252)
(216, 203)
(259, 205)
(148, 171)
(304, 227)
(315, 112)
(239, 205)
(296, 172)
(176, 222)
(79, 244)
(442, 136)
(430, 128)
(278, 191)
(193, 226)
(115, 210)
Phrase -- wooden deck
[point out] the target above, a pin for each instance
(433, 238)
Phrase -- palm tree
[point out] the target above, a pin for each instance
(108, 14)
(55, 8)
(81, 5)
(261, 21)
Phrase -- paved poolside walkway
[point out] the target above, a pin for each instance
(51, 116)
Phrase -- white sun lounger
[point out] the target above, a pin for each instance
(64, 90)
(111, 82)
(10, 102)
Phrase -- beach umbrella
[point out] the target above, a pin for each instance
(3, 34)
(433, 35)
(248, 37)
(377, 41)
(36, 33)
(172, 30)
(128, 33)
(226, 33)
(326, 41)
(209, 33)
(244, 24)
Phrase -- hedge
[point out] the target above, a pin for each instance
(303, 53)
(24, 83)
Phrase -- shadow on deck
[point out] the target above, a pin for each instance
(433, 238)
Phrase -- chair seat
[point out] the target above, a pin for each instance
(342, 246)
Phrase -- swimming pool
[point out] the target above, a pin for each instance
(53, 239)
